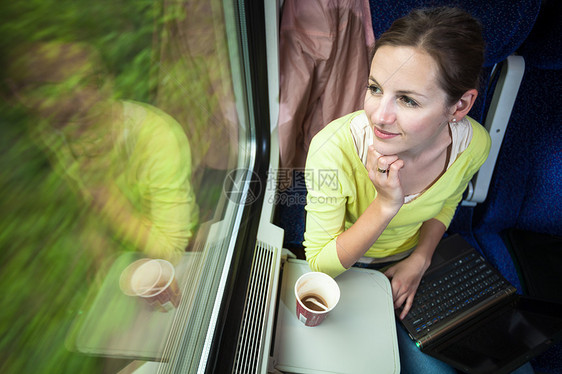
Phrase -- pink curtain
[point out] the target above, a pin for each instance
(324, 67)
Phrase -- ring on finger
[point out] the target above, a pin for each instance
(384, 171)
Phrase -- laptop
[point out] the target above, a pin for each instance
(467, 314)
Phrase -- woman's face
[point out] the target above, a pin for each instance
(405, 106)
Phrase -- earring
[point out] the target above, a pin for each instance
(454, 120)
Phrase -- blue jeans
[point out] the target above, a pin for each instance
(413, 360)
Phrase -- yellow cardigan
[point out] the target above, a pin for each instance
(339, 191)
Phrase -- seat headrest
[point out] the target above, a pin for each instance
(542, 47)
(506, 23)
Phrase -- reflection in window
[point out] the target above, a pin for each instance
(119, 126)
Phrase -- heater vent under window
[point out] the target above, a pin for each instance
(253, 339)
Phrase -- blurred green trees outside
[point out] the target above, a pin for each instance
(47, 263)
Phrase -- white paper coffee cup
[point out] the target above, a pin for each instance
(317, 294)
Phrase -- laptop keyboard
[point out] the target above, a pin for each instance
(445, 294)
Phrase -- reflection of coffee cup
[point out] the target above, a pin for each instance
(317, 294)
(152, 280)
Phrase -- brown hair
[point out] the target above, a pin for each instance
(451, 36)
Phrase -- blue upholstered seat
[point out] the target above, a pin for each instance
(526, 190)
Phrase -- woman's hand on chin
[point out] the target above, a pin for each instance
(384, 172)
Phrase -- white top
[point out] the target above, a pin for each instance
(362, 134)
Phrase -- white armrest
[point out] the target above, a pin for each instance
(496, 123)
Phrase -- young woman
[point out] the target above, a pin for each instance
(390, 177)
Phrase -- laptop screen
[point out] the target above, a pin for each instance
(504, 339)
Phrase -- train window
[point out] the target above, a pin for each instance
(126, 143)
